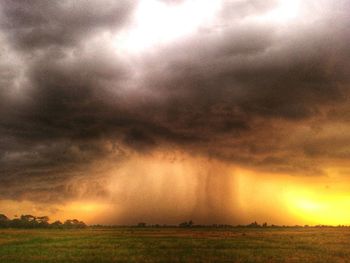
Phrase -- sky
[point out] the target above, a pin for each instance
(161, 111)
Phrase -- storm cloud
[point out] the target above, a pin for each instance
(239, 90)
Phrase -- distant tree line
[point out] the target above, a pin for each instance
(191, 224)
(30, 221)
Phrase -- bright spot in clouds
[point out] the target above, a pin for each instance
(157, 22)
(318, 206)
(285, 11)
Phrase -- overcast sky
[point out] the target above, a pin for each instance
(94, 89)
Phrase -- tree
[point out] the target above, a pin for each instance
(3, 217)
(4, 221)
(186, 224)
(43, 221)
(16, 223)
(28, 221)
(74, 223)
(28, 218)
(254, 224)
(56, 224)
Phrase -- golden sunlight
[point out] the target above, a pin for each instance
(292, 199)
(89, 212)
(315, 207)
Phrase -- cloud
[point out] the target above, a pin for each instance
(38, 25)
(240, 90)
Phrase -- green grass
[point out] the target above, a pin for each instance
(176, 245)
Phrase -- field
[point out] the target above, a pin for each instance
(176, 245)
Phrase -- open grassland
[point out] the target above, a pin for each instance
(176, 245)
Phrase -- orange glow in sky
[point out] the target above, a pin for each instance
(157, 188)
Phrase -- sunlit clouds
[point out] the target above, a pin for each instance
(155, 24)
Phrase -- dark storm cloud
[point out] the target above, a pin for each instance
(240, 91)
(45, 136)
(233, 92)
(260, 73)
(36, 24)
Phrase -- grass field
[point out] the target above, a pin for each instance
(176, 245)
